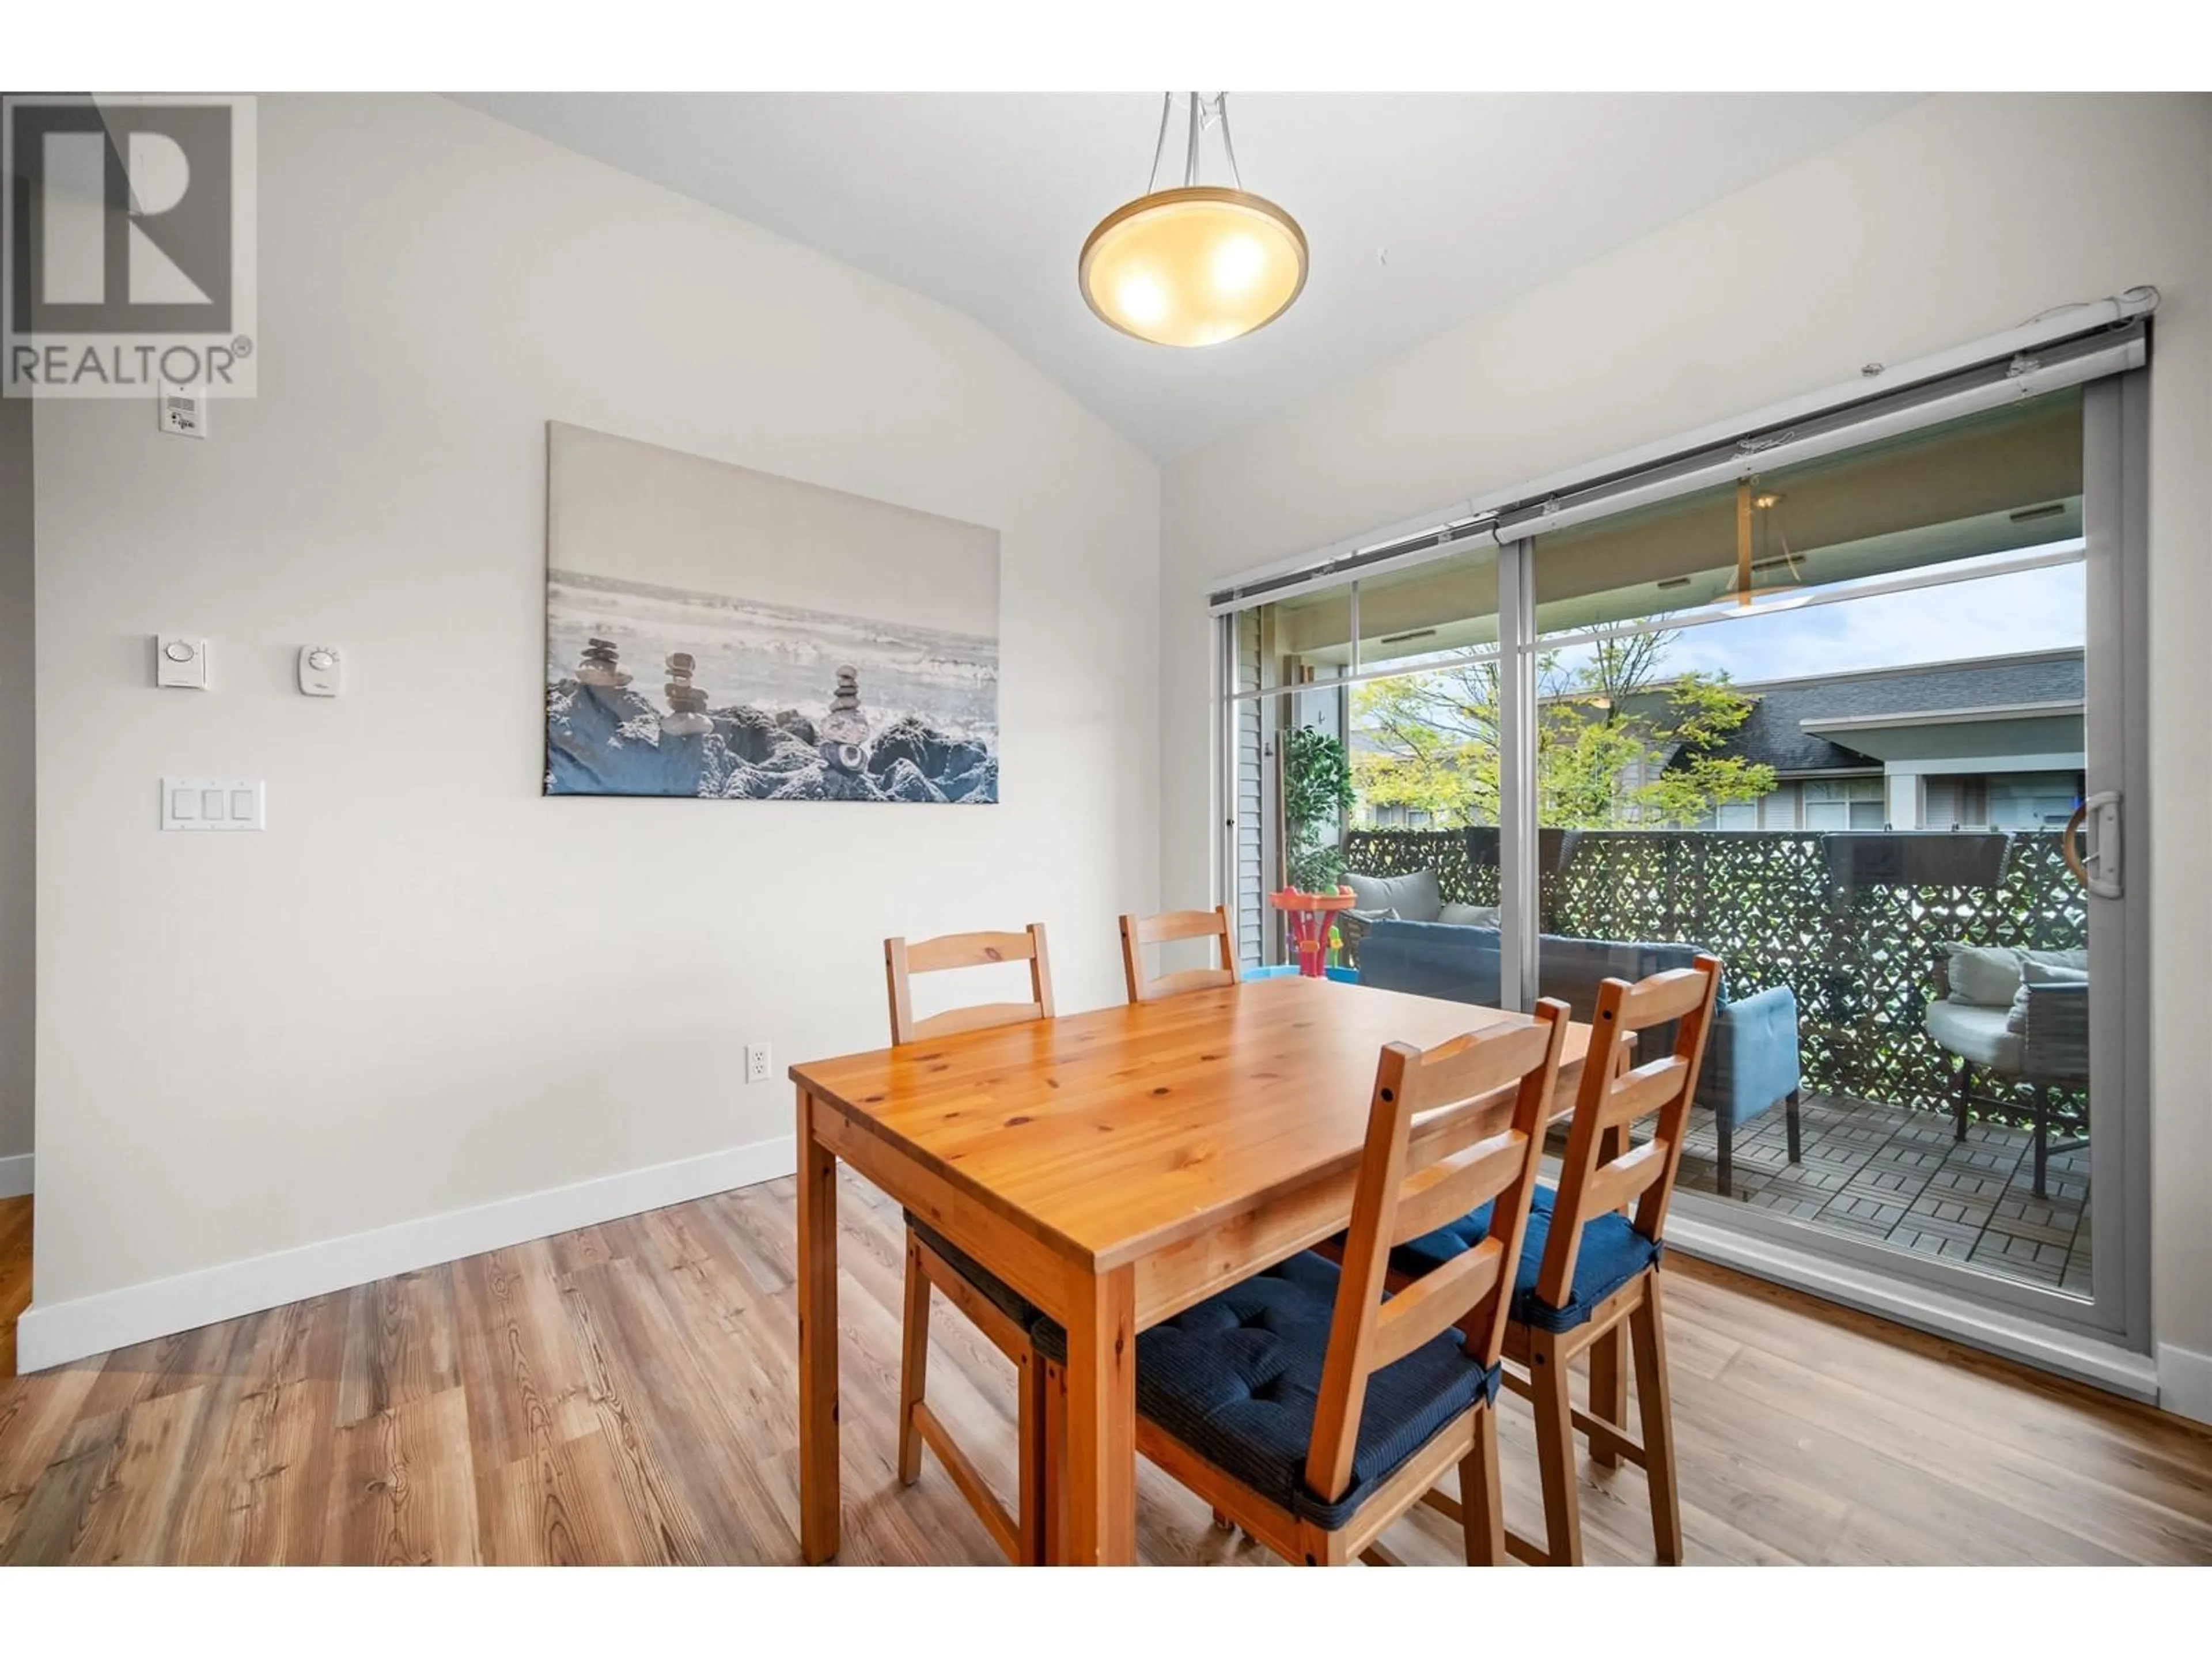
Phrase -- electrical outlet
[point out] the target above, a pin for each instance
(756, 1062)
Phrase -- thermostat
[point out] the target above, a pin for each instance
(180, 662)
(183, 411)
(320, 668)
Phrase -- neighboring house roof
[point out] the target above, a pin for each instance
(1774, 734)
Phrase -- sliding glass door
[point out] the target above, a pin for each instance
(1861, 724)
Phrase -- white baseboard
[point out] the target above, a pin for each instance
(2184, 1382)
(53, 1335)
(16, 1176)
(2083, 1358)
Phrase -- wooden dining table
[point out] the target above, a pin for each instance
(1114, 1167)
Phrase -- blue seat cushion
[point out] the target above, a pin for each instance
(1237, 1377)
(994, 1290)
(1612, 1253)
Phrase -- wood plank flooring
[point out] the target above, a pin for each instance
(627, 1393)
(15, 1275)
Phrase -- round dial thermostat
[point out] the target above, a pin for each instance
(320, 670)
(177, 651)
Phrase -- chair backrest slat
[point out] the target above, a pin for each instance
(1137, 932)
(901, 961)
(1660, 998)
(1468, 1076)
(1612, 1185)
(1641, 1091)
(932, 956)
(1451, 1186)
(1434, 1302)
(1599, 1172)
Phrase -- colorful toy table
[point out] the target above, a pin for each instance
(1309, 916)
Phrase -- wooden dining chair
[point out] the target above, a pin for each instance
(1303, 1405)
(1001, 1313)
(1590, 1271)
(1138, 933)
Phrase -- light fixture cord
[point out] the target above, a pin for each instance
(1228, 144)
(1160, 144)
(1204, 112)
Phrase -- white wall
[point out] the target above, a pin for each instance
(425, 987)
(18, 802)
(1956, 219)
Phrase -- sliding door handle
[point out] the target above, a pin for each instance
(2097, 820)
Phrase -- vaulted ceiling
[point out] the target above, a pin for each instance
(1422, 210)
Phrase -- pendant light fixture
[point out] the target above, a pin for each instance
(1748, 593)
(1197, 265)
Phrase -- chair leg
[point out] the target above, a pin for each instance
(1961, 1092)
(914, 1364)
(1481, 1509)
(2042, 1137)
(1555, 1455)
(1035, 1452)
(1052, 1398)
(1647, 1333)
(1789, 1104)
(1724, 1162)
(1608, 1390)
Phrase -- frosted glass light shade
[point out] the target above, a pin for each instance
(1193, 267)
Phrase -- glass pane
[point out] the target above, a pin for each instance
(1290, 790)
(1995, 485)
(1412, 616)
(1905, 947)
(1305, 639)
(1423, 846)
(1389, 784)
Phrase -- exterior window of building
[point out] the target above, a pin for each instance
(2032, 800)
(1844, 804)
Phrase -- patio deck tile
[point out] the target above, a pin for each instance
(1871, 1172)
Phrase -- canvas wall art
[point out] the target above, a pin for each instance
(717, 632)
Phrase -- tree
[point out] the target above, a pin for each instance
(1618, 744)
(1316, 793)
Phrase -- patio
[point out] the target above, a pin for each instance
(1855, 924)
(1870, 1172)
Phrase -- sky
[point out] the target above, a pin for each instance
(2027, 610)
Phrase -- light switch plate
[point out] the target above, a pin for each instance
(207, 803)
(180, 662)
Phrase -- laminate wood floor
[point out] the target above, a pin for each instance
(15, 1275)
(628, 1394)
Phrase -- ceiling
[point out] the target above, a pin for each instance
(1422, 210)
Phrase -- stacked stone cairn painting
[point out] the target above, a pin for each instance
(814, 646)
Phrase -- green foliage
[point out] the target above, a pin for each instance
(1617, 746)
(1317, 792)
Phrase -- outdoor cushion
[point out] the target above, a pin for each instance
(1750, 1058)
(1415, 896)
(1001, 1295)
(1984, 975)
(1612, 1253)
(2033, 973)
(1468, 916)
(1975, 1034)
(1237, 1379)
(1429, 959)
